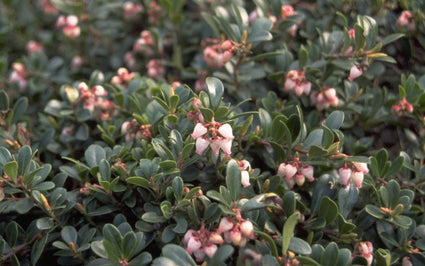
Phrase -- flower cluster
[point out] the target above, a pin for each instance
(156, 69)
(236, 230)
(295, 173)
(19, 75)
(402, 107)
(123, 77)
(34, 47)
(324, 99)
(215, 135)
(94, 98)
(144, 44)
(289, 11)
(406, 19)
(132, 130)
(69, 26)
(355, 174)
(218, 53)
(131, 10)
(296, 82)
(365, 249)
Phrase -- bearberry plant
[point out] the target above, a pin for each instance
(212, 132)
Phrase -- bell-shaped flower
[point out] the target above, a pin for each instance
(199, 131)
(210, 250)
(235, 237)
(355, 72)
(226, 131)
(247, 229)
(286, 170)
(245, 179)
(194, 244)
(308, 172)
(357, 178)
(361, 167)
(201, 144)
(344, 175)
(226, 145)
(299, 179)
(225, 225)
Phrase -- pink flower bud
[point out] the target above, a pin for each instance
(355, 72)
(247, 229)
(235, 237)
(72, 20)
(245, 179)
(216, 238)
(199, 131)
(299, 179)
(225, 225)
(344, 175)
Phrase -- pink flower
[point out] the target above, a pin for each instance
(216, 238)
(131, 10)
(193, 244)
(225, 225)
(344, 175)
(287, 11)
(357, 178)
(189, 234)
(366, 250)
(361, 167)
(156, 69)
(247, 229)
(296, 82)
(210, 250)
(355, 72)
(308, 172)
(34, 47)
(406, 19)
(226, 131)
(286, 170)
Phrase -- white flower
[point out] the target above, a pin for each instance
(199, 131)
(225, 225)
(361, 167)
(245, 179)
(201, 145)
(226, 131)
(210, 250)
(286, 170)
(247, 229)
(308, 172)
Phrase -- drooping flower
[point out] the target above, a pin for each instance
(344, 175)
(406, 19)
(296, 82)
(214, 135)
(355, 72)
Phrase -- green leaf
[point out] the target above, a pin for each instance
(161, 149)
(69, 234)
(24, 159)
(382, 257)
(142, 259)
(347, 199)
(37, 249)
(153, 217)
(45, 223)
(20, 107)
(375, 211)
(289, 203)
(328, 210)
(288, 231)
(24, 205)
(11, 233)
(177, 254)
(395, 166)
(221, 255)
(299, 246)
(168, 165)
(139, 181)
(329, 258)
(303, 57)
(215, 91)
(344, 226)
(11, 170)
(335, 120)
(104, 170)
(94, 154)
(4, 101)
(233, 179)
(177, 185)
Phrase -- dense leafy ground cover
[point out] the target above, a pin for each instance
(184, 132)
